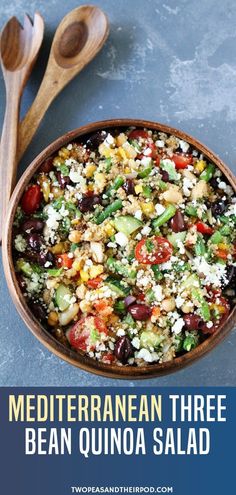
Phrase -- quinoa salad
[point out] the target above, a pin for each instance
(124, 246)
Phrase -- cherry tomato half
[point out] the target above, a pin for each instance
(153, 251)
(64, 261)
(86, 332)
(182, 161)
(31, 199)
(203, 228)
(222, 306)
(138, 133)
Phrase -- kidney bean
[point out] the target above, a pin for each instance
(192, 322)
(165, 176)
(123, 349)
(47, 166)
(218, 208)
(88, 202)
(129, 186)
(45, 257)
(177, 222)
(33, 225)
(35, 241)
(63, 180)
(38, 310)
(140, 311)
(95, 139)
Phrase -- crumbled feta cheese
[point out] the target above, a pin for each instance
(147, 356)
(183, 145)
(222, 185)
(160, 143)
(147, 152)
(121, 239)
(157, 289)
(136, 343)
(69, 147)
(213, 274)
(109, 139)
(76, 177)
(159, 208)
(231, 210)
(179, 301)
(138, 214)
(178, 325)
(120, 332)
(146, 160)
(146, 230)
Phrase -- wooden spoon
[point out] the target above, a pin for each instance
(19, 49)
(78, 38)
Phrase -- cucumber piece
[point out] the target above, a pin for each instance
(176, 236)
(127, 224)
(190, 282)
(117, 286)
(24, 267)
(150, 340)
(118, 267)
(62, 297)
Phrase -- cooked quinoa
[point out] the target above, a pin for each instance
(124, 246)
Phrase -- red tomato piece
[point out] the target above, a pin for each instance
(31, 199)
(138, 133)
(153, 251)
(157, 160)
(94, 283)
(64, 261)
(182, 161)
(82, 336)
(203, 228)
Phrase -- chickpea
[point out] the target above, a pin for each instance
(168, 304)
(52, 318)
(75, 236)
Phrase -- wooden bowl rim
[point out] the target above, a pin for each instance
(70, 356)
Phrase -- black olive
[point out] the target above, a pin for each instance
(218, 208)
(35, 241)
(96, 139)
(88, 202)
(123, 349)
(38, 310)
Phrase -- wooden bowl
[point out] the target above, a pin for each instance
(72, 357)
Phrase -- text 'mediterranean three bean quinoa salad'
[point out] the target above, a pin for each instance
(124, 246)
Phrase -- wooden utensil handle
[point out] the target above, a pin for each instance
(30, 123)
(8, 151)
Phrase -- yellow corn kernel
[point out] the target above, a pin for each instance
(45, 186)
(129, 150)
(100, 180)
(57, 161)
(122, 153)
(52, 318)
(90, 187)
(200, 165)
(57, 192)
(75, 236)
(222, 245)
(77, 264)
(105, 151)
(121, 139)
(84, 276)
(60, 248)
(64, 153)
(95, 270)
(89, 170)
(147, 208)
(75, 221)
(109, 229)
(138, 189)
(127, 170)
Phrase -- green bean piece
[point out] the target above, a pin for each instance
(191, 211)
(147, 191)
(118, 182)
(204, 308)
(200, 248)
(190, 342)
(207, 174)
(108, 211)
(216, 238)
(157, 272)
(145, 172)
(164, 217)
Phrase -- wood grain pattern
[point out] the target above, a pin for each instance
(19, 50)
(72, 357)
(78, 38)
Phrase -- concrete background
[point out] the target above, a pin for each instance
(174, 62)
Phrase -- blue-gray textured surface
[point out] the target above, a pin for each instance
(174, 62)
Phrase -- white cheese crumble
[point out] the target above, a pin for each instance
(157, 289)
(183, 145)
(178, 325)
(136, 343)
(213, 274)
(121, 239)
(138, 214)
(147, 356)
(159, 209)
(146, 230)
(146, 160)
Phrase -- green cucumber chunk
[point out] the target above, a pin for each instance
(62, 297)
(127, 224)
(176, 236)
